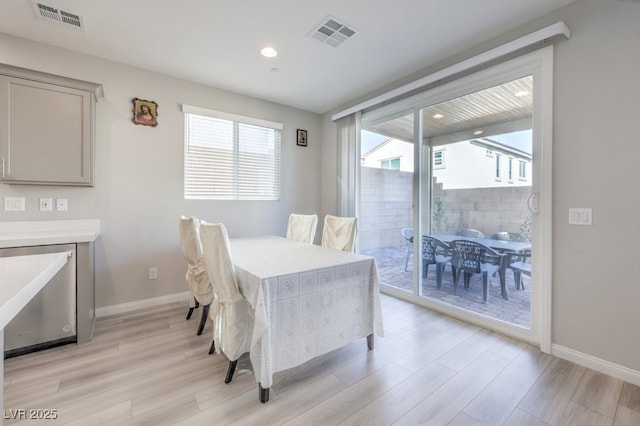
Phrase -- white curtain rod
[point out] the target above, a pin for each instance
(557, 29)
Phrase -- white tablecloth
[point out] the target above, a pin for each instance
(308, 300)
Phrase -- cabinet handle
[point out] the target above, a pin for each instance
(2, 167)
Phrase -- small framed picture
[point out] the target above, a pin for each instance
(145, 112)
(301, 139)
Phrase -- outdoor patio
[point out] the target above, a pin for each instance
(516, 310)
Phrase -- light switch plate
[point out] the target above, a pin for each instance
(580, 216)
(14, 204)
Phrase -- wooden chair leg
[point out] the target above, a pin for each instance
(263, 393)
(203, 318)
(212, 349)
(230, 371)
(189, 313)
(191, 310)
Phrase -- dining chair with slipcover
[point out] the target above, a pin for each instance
(470, 258)
(435, 252)
(340, 233)
(231, 313)
(407, 234)
(201, 291)
(302, 227)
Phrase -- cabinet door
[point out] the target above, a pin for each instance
(46, 133)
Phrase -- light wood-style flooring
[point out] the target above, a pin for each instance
(149, 368)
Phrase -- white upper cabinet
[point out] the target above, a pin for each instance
(46, 128)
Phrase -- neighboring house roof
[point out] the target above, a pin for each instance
(500, 147)
(377, 147)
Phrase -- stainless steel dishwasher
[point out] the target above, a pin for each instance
(49, 319)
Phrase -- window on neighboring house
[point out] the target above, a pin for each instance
(522, 170)
(438, 159)
(510, 169)
(230, 157)
(391, 164)
(498, 175)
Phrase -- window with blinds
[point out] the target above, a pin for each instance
(229, 157)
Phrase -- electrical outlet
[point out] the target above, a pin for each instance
(46, 204)
(61, 204)
(153, 273)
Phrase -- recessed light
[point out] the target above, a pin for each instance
(438, 116)
(478, 132)
(269, 52)
(521, 93)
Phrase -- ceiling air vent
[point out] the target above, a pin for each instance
(332, 32)
(56, 16)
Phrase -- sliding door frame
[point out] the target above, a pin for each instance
(539, 64)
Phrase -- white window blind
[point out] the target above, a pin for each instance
(229, 157)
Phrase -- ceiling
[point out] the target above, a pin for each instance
(218, 43)
(504, 108)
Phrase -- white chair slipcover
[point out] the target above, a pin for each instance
(340, 233)
(196, 275)
(302, 227)
(231, 313)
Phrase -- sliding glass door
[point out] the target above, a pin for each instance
(465, 161)
(477, 156)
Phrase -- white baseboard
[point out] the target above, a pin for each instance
(141, 304)
(605, 367)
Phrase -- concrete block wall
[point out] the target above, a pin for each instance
(386, 206)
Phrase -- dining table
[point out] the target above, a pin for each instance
(307, 300)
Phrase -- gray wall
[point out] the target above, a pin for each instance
(138, 193)
(595, 149)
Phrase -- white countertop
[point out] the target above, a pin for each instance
(39, 233)
(22, 277)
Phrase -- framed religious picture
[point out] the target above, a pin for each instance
(301, 139)
(145, 112)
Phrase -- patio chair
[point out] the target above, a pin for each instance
(522, 266)
(475, 258)
(514, 257)
(510, 236)
(434, 252)
(469, 232)
(407, 233)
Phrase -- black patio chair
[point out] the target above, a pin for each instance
(514, 257)
(522, 266)
(434, 252)
(470, 258)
